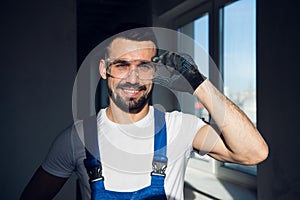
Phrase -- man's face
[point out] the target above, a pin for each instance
(131, 92)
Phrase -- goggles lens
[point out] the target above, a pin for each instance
(121, 69)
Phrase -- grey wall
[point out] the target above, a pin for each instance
(38, 66)
(42, 44)
(278, 85)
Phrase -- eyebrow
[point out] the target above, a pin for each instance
(117, 61)
(144, 62)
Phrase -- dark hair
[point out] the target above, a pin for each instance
(132, 31)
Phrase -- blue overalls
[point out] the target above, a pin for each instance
(94, 169)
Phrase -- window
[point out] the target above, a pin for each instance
(199, 31)
(226, 30)
(239, 61)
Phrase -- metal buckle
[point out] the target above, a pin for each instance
(95, 173)
(159, 166)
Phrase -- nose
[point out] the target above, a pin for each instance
(133, 75)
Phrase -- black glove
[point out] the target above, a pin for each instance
(186, 70)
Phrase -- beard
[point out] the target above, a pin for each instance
(130, 105)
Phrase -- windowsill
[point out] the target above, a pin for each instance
(209, 185)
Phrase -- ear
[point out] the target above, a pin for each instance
(102, 69)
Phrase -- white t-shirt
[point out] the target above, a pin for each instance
(126, 152)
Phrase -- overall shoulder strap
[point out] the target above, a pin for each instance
(91, 138)
(160, 138)
(160, 159)
(92, 162)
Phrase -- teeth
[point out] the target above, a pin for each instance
(131, 91)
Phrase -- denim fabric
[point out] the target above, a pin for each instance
(92, 162)
(154, 191)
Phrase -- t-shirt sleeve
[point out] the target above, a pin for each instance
(60, 160)
(182, 128)
(195, 124)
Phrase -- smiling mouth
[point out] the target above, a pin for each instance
(131, 92)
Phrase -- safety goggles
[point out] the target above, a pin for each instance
(122, 68)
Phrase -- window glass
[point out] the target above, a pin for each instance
(239, 59)
(199, 31)
(201, 36)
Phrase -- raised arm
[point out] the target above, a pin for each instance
(239, 142)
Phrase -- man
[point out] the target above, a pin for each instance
(144, 151)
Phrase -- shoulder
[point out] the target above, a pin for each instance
(69, 136)
(182, 127)
(179, 119)
(183, 119)
(63, 154)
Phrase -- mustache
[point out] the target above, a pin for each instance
(134, 86)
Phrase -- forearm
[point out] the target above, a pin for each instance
(42, 186)
(241, 138)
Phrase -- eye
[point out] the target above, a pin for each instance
(121, 64)
(146, 66)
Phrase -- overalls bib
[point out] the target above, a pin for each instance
(94, 169)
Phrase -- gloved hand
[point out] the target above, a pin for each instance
(187, 71)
